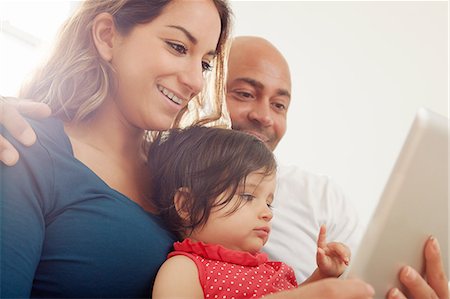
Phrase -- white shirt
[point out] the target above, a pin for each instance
(303, 202)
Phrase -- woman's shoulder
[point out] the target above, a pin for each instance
(50, 132)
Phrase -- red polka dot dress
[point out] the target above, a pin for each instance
(229, 274)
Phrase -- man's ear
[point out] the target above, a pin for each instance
(179, 201)
(103, 33)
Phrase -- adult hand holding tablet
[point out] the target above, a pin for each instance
(413, 207)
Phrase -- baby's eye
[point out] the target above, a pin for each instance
(269, 205)
(247, 196)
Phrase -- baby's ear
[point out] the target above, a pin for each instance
(181, 202)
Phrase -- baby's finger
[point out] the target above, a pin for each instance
(322, 239)
(340, 250)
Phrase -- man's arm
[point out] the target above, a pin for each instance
(11, 116)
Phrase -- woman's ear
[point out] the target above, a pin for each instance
(103, 33)
(180, 202)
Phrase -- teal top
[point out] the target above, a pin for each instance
(65, 233)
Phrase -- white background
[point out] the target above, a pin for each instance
(359, 70)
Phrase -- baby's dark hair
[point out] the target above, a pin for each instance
(207, 162)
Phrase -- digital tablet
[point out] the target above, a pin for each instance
(413, 206)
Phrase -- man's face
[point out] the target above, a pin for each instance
(258, 91)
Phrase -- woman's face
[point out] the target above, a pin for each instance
(161, 65)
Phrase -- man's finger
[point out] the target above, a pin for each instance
(416, 285)
(435, 269)
(34, 110)
(15, 124)
(395, 294)
(8, 154)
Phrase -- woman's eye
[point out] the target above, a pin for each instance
(206, 66)
(178, 47)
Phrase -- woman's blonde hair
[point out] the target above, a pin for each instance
(75, 80)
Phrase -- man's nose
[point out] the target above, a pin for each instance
(262, 114)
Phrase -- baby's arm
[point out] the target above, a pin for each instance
(177, 278)
(332, 258)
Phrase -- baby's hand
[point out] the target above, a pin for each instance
(332, 258)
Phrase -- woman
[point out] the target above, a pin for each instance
(75, 221)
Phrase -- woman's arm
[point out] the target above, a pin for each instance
(177, 278)
(11, 116)
(22, 228)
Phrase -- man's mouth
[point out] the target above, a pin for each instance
(258, 135)
(170, 95)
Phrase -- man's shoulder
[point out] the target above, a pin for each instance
(295, 174)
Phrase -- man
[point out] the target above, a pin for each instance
(258, 98)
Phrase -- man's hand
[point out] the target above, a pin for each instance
(12, 114)
(435, 283)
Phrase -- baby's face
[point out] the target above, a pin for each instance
(248, 227)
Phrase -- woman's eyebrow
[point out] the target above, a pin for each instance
(186, 32)
(191, 37)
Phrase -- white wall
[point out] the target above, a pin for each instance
(359, 71)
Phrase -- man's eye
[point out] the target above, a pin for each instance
(243, 94)
(279, 106)
(178, 47)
